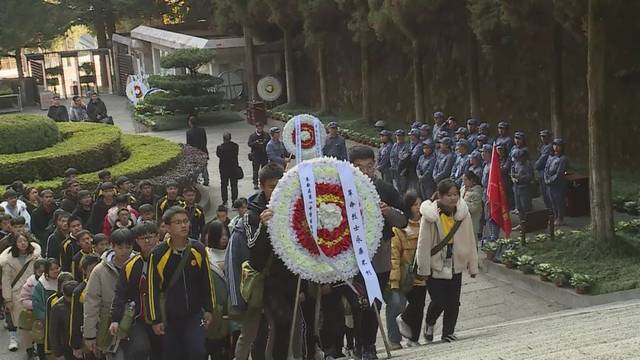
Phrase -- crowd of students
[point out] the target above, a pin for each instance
(124, 273)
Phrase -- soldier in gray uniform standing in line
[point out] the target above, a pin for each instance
(505, 168)
(485, 129)
(480, 141)
(472, 136)
(384, 156)
(424, 170)
(520, 142)
(503, 138)
(555, 178)
(400, 156)
(335, 145)
(445, 161)
(425, 133)
(544, 150)
(416, 151)
(521, 176)
(438, 124)
(461, 165)
(475, 159)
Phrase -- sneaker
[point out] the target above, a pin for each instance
(428, 333)
(403, 327)
(13, 343)
(449, 338)
(369, 353)
(412, 343)
(394, 346)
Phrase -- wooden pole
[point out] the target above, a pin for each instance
(384, 334)
(294, 322)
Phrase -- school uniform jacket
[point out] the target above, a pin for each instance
(164, 203)
(196, 217)
(76, 317)
(75, 264)
(68, 249)
(132, 285)
(190, 294)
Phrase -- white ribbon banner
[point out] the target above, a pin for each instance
(356, 227)
(308, 185)
(317, 127)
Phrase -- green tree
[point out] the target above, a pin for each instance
(285, 14)
(30, 24)
(412, 18)
(322, 21)
(358, 24)
(189, 92)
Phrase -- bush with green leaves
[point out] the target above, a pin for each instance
(581, 281)
(544, 270)
(509, 256)
(187, 93)
(489, 246)
(23, 132)
(146, 157)
(560, 275)
(84, 146)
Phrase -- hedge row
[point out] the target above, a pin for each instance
(20, 133)
(85, 146)
(148, 157)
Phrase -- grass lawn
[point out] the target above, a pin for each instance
(614, 267)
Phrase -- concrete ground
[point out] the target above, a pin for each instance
(489, 306)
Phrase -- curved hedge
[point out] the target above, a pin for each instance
(148, 156)
(85, 146)
(22, 132)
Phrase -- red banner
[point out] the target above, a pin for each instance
(497, 195)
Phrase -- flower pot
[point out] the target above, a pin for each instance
(582, 290)
(490, 255)
(544, 278)
(526, 269)
(509, 264)
(560, 281)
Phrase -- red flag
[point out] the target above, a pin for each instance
(497, 195)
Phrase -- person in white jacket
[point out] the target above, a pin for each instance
(15, 207)
(442, 263)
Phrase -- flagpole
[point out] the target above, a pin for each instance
(294, 322)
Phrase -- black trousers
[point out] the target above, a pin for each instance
(445, 297)
(143, 343)
(279, 297)
(333, 329)
(225, 179)
(414, 311)
(219, 349)
(369, 324)
(257, 165)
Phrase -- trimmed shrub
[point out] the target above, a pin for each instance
(148, 156)
(85, 146)
(22, 132)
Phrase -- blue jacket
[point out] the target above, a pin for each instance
(276, 152)
(460, 166)
(384, 157)
(443, 168)
(335, 147)
(555, 169)
(545, 151)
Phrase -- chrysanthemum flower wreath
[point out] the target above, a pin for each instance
(308, 134)
(292, 239)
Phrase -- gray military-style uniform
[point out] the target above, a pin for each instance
(424, 170)
(399, 157)
(460, 166)
(336, 147)
(521, 176)
(506, 142)
(384, 162)
(554, 177)
(443, 167)
(545, 150)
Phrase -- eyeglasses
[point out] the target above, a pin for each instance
(178, 222)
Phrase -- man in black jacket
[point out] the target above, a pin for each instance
(101, 207)
(57, 112)
(42, 218)
(228, 154)
(197, 137)
(258, 156)
(97, 110)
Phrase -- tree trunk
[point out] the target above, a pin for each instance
(101, 36)
(288, 64)
(474, 78)
(322, 75)
(556, 81)
(18, 57)
(249, 58)
(109, 19)
(599, 165)
(418, 85)
(364, 73)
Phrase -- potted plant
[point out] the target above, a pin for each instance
(542, 237)
(509, 259)
(582, 283)
(525, 264)
(544, 271)
(489, 248)
(559, 234)
(560, 276)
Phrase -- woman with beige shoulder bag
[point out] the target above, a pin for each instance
(446, 248)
